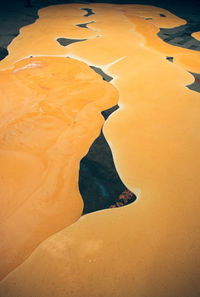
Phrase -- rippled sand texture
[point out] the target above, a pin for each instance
(50, 115)
(152, 247)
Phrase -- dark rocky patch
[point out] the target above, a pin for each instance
(181, 36)
(3, 53)
(105, 76)
(106, 113)
(124, 198)
(84, 25)
(195, 86)
(67, 41)
(171, 59)
(89, 12)
(99, 183)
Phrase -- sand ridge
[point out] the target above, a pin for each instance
(150, 248)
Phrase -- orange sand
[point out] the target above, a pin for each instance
(150, 248)
(196, 35)
(50, 115)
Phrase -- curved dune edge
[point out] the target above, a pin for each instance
(150, 248)
(196, 35)
(50, 116)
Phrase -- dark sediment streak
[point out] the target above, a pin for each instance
(89, 12)
(181, 36)
(66, 41)
(195, 86)
(105, 76)
(99, 182)
(84, 25)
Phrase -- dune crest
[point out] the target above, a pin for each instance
(150, 248)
